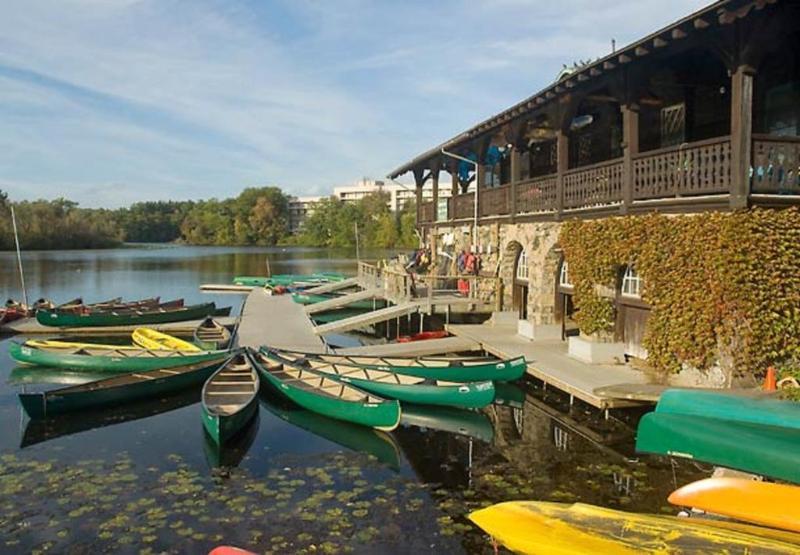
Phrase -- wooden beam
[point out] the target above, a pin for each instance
(741, 135)
(540, 100)
(641, 51)
(678, 34)
(701, 23)
(570, 83)
(608, 65)
(550, 94)
(594, 72)
(658, 42)
(583, 77)
(624, 58)
(558, 89)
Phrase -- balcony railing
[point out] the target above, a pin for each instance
(701, 168)
(776, 165)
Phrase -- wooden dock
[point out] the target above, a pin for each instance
(29, 326)
(277, 321)
(548, 362)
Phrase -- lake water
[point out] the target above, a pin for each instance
(143, 479)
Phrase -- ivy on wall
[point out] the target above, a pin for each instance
(724, 288)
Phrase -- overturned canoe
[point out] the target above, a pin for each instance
(210, 335)
(540, 527)
(393, 385)
(767, 450)
(756, 502)
(125, 317)
(317, 278)
(107, 359)
(433, 368)
(118, 389)
(230, 398)
(319, 393)
(152, 339)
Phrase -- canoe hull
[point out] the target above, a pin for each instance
(384, 415)
(221, 429)
(101, 319)
(767, 450)
(40, 357)
(732, 407)
(468, 395)
(42, 405)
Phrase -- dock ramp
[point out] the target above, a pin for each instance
(344, 300)
(367, 318)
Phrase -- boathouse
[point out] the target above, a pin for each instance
(698, 119)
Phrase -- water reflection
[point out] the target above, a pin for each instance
(230, 453)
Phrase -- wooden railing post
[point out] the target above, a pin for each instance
(562, 165)
(741, 135)
(480, 183)
(515, 174)
(435, 186)
(630, 139)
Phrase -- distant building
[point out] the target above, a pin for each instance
(399, 195)
(299, 210)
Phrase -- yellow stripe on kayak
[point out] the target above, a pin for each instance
(55, 344)
(560, 529)
(157, 341)
(774, 505)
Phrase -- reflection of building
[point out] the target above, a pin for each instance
(398, 194)
(299, 209)
(700, 116)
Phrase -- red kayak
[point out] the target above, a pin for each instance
(422, 336)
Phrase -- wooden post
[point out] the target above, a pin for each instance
(741, 135)
(562, 165)
(630, 140)
(515, 173)
(480, 182)
(435, 191)
(420, 182)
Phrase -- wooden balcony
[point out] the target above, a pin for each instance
(686, 177)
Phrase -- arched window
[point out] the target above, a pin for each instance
(631, 283)
(522, 266)
(563, 277)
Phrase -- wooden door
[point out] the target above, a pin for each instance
(520, 299)
(634, 322)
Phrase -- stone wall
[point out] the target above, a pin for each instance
(500, 244)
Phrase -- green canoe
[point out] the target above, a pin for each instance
(125, 317)
(459, 370)
(230, 454)
(364, 304)
(108, 360)
(230, 398)
(392, 385)
(374, 442)
(288, 279)
(768, 450)
(730, 406)
(319, 393)
(451, 420)
(117, 390)
(338, 314)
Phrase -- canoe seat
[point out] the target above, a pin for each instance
(248, 392)
(224, 409)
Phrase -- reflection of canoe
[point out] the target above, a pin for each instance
(45, 429)
(124, 317)
(117, 390)
(152, 339)
(434, 368)
(210, 335)
(230, 398)
(447, 419)
(231, 453)
(351, 436)
(509, 394)
(392, 385)
(319, 393)
(107, 360)
(769, 450)
(539, 527)
(44, 375)
(773, 505)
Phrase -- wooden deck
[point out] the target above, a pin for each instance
(29, 326)
(277, 321)
(548, 362)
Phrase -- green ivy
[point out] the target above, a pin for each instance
(722, 287)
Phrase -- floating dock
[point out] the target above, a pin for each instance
(277, 321)
(29, 326)
(548, 362)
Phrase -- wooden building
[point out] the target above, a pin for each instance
(701, 115)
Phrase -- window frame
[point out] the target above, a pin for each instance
(522, 263)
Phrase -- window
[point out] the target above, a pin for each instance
(522, 266)
(563, 278)
(631, 283)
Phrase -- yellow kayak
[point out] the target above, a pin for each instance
(560, 529)
(774, 505)
(72, 345)
(157, 341)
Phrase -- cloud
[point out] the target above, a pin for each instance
(113, 101)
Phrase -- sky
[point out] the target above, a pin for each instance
(109, 102)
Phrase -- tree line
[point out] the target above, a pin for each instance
(258, 216)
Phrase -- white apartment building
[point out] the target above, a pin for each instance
(398, 194)
(299, 209)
